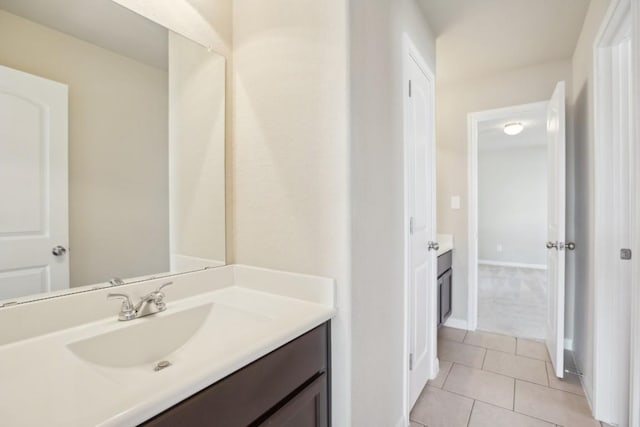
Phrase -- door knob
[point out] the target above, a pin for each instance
(433, 246)
(571, 246)
(59, 250)
(551, 245)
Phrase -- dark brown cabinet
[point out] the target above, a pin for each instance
(288, 387)
(445, 286)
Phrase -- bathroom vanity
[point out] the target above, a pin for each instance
(445, 277)
(236, 346)
(288, 387)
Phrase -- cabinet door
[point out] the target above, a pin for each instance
(440, 301)
(445, 299)
(308, 408)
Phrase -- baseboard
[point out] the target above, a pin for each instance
(452, 322)
(435, 368)
(568, 344)
(512, 264)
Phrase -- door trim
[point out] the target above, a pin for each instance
(609, 312)
(634, 391)
(411, 52)
(473, 122)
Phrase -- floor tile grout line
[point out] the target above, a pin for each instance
(550, 388)
(484, 359)
(448, 373)
(473, 405)
(489, 372)
(514, 395)
(546, 369)
(519, 413)
(478, 346)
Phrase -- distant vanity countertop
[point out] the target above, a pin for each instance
(101, 373)
(446, 243)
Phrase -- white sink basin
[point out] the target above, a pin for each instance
(142, 341)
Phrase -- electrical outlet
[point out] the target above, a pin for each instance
(499, 248)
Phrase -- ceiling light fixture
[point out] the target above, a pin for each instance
(513, 129)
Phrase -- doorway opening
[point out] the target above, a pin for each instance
(512, 222)
(507, 269)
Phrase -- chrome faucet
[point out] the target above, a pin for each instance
(151, 303)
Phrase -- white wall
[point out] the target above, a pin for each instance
(289, 156)
(118, 178)
(512, 204)
(377, 95)
(454, 101)
(582, 146)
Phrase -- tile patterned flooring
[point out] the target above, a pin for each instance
(499, 381)
(512, 301)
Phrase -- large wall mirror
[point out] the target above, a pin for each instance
(112, 139)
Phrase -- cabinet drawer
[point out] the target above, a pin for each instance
(444, 262)
(308, 408)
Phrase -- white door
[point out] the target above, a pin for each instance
(556, 227)
(33, 185)
(421, 205)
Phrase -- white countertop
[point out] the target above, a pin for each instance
(446, 243)
(45, 383)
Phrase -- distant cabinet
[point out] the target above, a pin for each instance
(445, 286)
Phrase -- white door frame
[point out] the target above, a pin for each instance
(635, 182)
(473, 121)
(613, 304)
(412, 53)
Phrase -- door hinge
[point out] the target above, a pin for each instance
(410, 89)
(411, 361)
(626, 254)
(411, 225)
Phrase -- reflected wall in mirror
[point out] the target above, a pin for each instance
(111, 148)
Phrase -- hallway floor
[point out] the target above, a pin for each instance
(512, 301)
(499, 381)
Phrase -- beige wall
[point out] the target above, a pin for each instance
(290, 152)
(197, 155)
(583, 188)
(210, 24)
(454, 102)
(377, 201)
(118, 203)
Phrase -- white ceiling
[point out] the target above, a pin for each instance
(491, 134)
(480, 37)
(100, 22)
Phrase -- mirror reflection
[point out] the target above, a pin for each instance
(111, 148)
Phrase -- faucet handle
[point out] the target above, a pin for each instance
(127, 312)
(159, 297)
